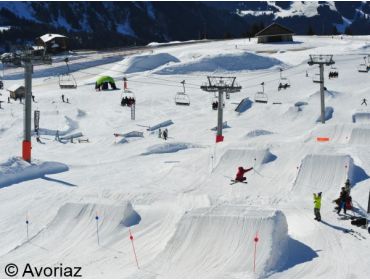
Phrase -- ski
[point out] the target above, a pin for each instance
(235, 182)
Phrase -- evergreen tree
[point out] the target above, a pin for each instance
(334, 31)
(348, 31)
(310, 31)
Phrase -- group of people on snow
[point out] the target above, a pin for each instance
(163, 134)
(344, 201)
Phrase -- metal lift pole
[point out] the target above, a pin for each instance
(26, 151)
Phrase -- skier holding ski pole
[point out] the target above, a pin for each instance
(240, 175)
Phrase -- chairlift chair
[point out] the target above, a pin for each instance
(215, 103)
(284, 82)
(261, 96)
(363, 68)
(67, 81)
(182, 98)
(333, 73)
(316, 78)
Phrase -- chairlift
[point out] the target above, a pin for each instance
(261, 96)
(129, 99)
(182, 98)
(284, 82)
(67, 80)
(215, 103)
(316, 78)
(333, 73)
(363, 67)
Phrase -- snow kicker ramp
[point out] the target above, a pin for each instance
(233, 158)
(327, 173)
(360, 136)
(218, 242)
(73, 232)
(361, 117)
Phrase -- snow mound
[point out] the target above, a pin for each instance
(360, 136)
(76, 225)
(16, 170)
(144, 63)
(191, 252)
(327, 173)
(244, 105)
(258, 132)
(222, 63)
(71, 125)
(362, 117)
(328, 114)
(170, 148)
(232, 158)
(327, 94)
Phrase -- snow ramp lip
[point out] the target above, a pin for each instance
(170, 148)
(361, 117)
(327, 172)
(360, 136)
(15, 170)
(77, 222)
(218, 242)
(232, 158)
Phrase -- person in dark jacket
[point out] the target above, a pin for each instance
(240, 175)
(342, 200)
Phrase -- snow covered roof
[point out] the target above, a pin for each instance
(48, 37)
(274, 29)
(14, 87)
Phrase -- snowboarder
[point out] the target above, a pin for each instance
(159, 133)
(317, 202)
(342, 200)
(165, 134)
(364, 102)
(33, 98)
(8, 99)
(63, 98)
(240, 175)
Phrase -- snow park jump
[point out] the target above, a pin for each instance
(128, 183)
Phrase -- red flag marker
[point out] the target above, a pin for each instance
(256, 239)
(133, 247)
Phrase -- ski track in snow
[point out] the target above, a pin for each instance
(174, 195)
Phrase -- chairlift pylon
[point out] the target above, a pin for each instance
(67, 80)
(181, 98)
(261, 96)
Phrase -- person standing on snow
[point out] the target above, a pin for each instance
(165, 134)
(240, 175)
(342, 201)
(317, 202)
(159, 133)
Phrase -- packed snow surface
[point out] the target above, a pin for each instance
(84, 199)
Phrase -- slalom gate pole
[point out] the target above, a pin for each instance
(255, 252)
(27, 222)
(133, 247)
(97, 227)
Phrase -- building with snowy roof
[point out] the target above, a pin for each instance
(275, 33)
(53, 43)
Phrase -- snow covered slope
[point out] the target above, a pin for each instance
(174, 196)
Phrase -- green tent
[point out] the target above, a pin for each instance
(104, 79)
(102, 83)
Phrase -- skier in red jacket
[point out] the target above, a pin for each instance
(240, 175)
